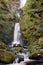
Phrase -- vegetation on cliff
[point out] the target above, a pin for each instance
(32, 22)
(7, 20)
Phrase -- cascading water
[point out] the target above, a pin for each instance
(17, 32)
(22, 3)
(17, 35)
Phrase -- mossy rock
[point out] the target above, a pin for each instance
(3, 45)
(6, 56)
(19, 48)
(35, 56)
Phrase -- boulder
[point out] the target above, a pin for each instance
(6, 56)
(20, 59)
(35, 56)
(22, 63)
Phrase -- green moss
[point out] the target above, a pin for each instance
(6, 56)
(18, 48)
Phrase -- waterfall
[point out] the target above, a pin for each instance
(17, 35)
(17, 32)
(22, 3)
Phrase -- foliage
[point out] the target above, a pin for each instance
(3, 45)
(6, 21)
(32, 21)
(33, 49)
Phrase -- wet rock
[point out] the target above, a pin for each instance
(35, 56)
(19, 49)
(22, 63)
(20, 59)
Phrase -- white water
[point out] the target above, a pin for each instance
(17, 35)
(22, 3)
(25, 55)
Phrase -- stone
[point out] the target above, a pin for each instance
(6, 56)
(22, 63)
(35, 56)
